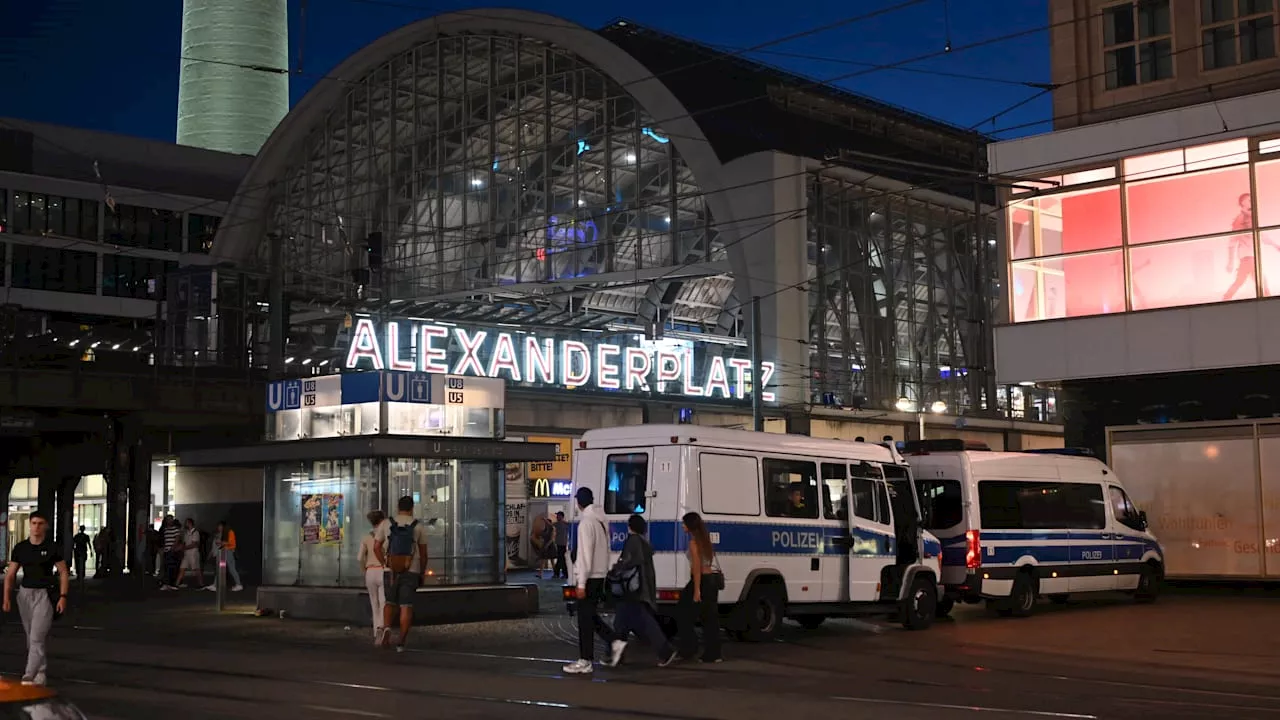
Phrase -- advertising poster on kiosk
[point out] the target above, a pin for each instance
(331, 531)
(322, 518)
(516, 530)
(311, 519)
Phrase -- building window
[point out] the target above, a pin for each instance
(1235, 32)
(145, 227)
(40, 268)
(1137, 43)
(133, 277)
(53, 215)
(200, 232)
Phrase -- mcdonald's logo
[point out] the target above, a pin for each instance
(547, 488)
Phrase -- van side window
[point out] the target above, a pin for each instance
(1126, 513)
(863, 492)
(833, 489)
(884, 514)
(790, 488)
(1037, 505)
(626, 482)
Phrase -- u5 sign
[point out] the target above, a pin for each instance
(469, 391)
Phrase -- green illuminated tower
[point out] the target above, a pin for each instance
(233, 88)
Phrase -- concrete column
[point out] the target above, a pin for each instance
(770, 202)
(47, 494)
(121, 436)
(64, 517)
(798, 423)
(6, 486)
(139, 489)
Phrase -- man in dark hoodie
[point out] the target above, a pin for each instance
(636, 611)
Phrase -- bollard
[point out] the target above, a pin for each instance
(221, 578)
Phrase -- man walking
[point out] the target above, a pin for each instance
(590, 566)
(80, 548)
(38, 557)
(191, 560)
(562, 546)
(172, 553)
(400, 544)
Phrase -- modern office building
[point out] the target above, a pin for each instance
(91, 227)
(1140, 261)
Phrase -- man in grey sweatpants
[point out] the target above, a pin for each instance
(38, 557)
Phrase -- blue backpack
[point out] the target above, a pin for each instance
(400, 546)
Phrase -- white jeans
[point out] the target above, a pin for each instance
(377, 595)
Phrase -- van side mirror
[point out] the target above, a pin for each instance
(1142, 518)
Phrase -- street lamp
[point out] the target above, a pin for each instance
(904, 404)
(938, 407)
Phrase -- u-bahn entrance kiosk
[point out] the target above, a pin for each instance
(339, 446)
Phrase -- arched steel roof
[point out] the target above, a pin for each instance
(246, 224)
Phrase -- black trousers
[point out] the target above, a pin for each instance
(590, 623)
(562, 568)
(635, 616)
(689, 613)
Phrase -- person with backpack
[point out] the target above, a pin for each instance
(633, 583)
(400, 544)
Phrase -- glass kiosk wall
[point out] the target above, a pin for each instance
(315, 510)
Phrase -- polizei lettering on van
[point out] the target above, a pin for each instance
(797, 539)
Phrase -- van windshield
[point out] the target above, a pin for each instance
(941, 503)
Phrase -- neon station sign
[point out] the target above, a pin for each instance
(525, 358)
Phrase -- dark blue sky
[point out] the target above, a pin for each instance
(114, 65)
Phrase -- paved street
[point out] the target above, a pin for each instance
(1189, 656)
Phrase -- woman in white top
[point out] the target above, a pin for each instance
(373, 572)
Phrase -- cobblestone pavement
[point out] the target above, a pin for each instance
(137, 654)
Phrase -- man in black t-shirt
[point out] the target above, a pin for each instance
(38, 557)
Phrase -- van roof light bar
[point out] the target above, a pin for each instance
(924, 447)
(1069, 451)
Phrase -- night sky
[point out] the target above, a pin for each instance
(113, 65)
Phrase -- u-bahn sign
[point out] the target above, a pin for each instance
(623, 362)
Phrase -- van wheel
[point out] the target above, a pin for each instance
(811, 622)
(920, 606)
(760, 615)
(945, 605)
(1148, 584)
(1022, 598)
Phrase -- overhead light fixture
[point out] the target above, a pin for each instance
(288, 361)
(307, 361)
(476, 182)
(904, 404)
(938, 407)
(116, 346)
(631, 157)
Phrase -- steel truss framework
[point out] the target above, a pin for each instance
(895, 305)
(502, 169)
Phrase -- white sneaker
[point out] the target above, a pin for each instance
(210, 588)
(579, 667)
(237, 588)
(616, 649)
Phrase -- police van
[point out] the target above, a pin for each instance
(803, 528)
(1017, 526)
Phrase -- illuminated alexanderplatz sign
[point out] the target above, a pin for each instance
(670, 367)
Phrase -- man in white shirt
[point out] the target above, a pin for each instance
(589, 570)
(401, 546)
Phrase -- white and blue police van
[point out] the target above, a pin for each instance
(1018, 526)
(803, 528)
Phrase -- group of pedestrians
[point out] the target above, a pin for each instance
(632, 583)
(184, 549)
(393, 558)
